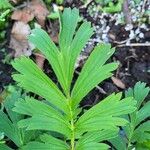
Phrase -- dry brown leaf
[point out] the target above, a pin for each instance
(25, 15)
(39, 60)
(118, 82)
(14, 1)
(35, 8)
(39, 10)
(19, 41)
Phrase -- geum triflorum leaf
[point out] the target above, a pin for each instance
(60, 112)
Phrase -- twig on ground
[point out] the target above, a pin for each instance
(120, 42)
(134, 45)
(86, 4)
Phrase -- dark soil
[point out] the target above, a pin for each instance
(5, 70)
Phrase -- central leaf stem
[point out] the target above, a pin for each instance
(72, 136)
(72, 126)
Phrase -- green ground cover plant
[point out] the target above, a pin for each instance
(62, 113)
(57, 122)
(9, 120)
(137, 132)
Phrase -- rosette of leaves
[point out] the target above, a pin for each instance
(137, 132)
(69, 128)
(13, 135)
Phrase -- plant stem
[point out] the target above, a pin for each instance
(73, 135)
(72, 125)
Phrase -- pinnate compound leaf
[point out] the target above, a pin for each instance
(34, 80)
(94, 71)
(104, 115)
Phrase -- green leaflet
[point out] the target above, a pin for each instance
(34, 108)
(68, 20)
(9, 102)
(93, 146)
(9, 126)
(95, 69)
(143, 113)
(43, 42)
(40, 146)
(63, 59)
(142, 133)
(100, 115)
(97, 136)
(42, 122)
(38, 82)
(31, 106)
(118, 142)
(136, 92)
(54, 141)
(4, 147)
(8, 123)
(10, 130)
(49, 118)
(48, 142)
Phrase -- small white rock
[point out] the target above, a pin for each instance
(141, 35)
(132, 34)
(129, 27)
(137, 31)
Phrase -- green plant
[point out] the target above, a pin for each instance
(68, 127)
(137, 132)
(4, 15)
(9, 119)
(4, 4)
(56, 1)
